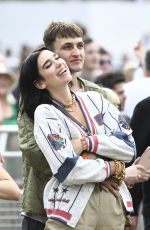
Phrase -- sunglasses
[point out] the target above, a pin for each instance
(102, 62)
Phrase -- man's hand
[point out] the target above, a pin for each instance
(112, 185)
(127, 228)
(134, 222)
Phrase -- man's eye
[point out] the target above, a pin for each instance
(67, 47)
(81, 45)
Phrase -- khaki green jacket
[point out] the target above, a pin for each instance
(36, 171)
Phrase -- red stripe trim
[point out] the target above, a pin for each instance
(57, 212)
(129, 204)
(106, 168)
(95, 144)
(88, 115)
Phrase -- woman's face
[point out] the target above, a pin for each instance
(5, 83)
(54, 70)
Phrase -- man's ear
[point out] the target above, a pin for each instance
(40, 84)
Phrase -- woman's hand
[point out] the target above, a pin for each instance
(1, 159)
(77, 146)
(76, 143)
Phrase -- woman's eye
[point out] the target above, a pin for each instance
(57, 57)
(48, 66)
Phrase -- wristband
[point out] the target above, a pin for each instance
(119, 171)
(93, 143)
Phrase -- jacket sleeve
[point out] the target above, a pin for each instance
(66, 166)
(28, 146)
(117, 141)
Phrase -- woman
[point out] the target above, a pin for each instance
(8, 106)
(71, 128)
(9, 190)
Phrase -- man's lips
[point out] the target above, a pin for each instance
(76, 60)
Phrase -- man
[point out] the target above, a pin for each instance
(65, 39)
(114, 80)
(92, 58)
(138, 89)
(140, 123)
(105, 60)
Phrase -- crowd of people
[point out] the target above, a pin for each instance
(74, 110)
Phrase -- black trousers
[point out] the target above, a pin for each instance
(146, 222)
(30, 224)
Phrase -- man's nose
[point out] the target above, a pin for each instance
(76, 51)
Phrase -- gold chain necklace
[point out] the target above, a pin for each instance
(71, 107)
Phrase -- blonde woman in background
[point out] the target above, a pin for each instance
(9, 190)
(8, 107)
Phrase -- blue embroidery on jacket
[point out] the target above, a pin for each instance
(56, 141)
(99, 118)
(123, 136)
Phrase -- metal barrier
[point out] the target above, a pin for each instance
(10, 218)
(9, 148)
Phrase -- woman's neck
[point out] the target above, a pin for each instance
(62, 96)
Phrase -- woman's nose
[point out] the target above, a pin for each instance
(58, 63)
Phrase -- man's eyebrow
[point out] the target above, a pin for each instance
(67, 43)
(71, 43)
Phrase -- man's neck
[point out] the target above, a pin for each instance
(90, 75)
(76, 84)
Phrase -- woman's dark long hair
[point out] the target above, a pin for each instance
(30, 96)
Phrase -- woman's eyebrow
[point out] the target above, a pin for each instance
(45, 63)
(54, 55)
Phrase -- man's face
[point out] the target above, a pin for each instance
(92, 56)
(119, 90)
(72, 51)
(105, 62)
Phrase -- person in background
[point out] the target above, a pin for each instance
(8, 107)
(105, 63)
(70, 141)
(140, 124)
(129, 70)
(139, 89)
(114, 80)
(9, 190)
(92, 58)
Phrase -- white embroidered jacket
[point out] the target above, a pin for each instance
(68, 191)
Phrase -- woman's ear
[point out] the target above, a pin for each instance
(40, 84)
